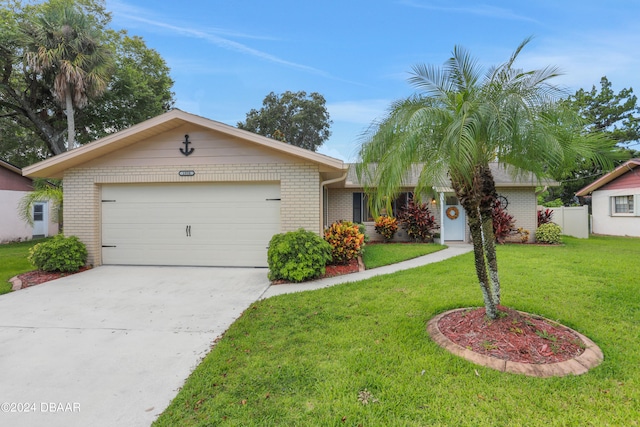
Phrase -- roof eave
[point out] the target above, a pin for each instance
(54, 167)
(605, 179)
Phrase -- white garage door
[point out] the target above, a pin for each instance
(207, 224)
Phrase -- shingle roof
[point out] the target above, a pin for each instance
(502, 176)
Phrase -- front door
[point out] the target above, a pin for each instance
(40, 219)
(454, 219)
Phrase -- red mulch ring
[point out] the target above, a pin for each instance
(514, 336)
(37, 277)
(331, 270)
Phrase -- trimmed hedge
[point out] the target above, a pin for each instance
(549, 233)
(65, 254)
(297, 256)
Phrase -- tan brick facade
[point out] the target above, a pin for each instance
(522, 205)
(299, 192)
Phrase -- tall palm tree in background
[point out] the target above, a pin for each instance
(66, 46)
(463, 120)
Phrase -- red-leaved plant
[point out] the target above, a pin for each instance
(544, 217)
(503, 223)
(418, 222)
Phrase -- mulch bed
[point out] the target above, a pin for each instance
(331, 270)
(514, 336)
(37, 277)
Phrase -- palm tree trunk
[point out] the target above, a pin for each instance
(492, 260)
(71, 121)
(486, 215)
(475, 227)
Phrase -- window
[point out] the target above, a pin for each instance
(622, 205)
(362, 213)
(451, 201)
(38, 212)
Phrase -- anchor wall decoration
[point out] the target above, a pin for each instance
(186, 150)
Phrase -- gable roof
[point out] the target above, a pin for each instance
(55, 166)
(605, 179)
(9, 166)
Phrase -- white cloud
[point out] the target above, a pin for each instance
(585, 58)
(476, 9)
(211, 35)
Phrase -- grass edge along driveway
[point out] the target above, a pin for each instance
(359, 354)
(13, 261)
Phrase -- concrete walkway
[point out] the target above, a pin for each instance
(453, 250)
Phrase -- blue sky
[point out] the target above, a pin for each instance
(226, 56)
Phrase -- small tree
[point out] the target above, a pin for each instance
(43, 190)
(417, 221)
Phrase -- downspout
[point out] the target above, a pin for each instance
(323, 219)
(542, 191)
(442, 218)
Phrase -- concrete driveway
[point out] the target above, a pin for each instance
(112, 346)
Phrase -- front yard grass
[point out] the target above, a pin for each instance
(13, 261)
(378, 255)
(359, 354)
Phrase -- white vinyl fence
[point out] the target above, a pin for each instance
(574, 221)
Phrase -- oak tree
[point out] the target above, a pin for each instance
(291, 117)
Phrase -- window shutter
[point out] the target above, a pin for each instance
(357, 207)
(636, 204)
(612, 201)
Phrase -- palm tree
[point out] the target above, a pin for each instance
(66, 46)
(464, 119)
(43, 190)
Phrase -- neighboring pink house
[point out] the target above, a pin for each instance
(13, 187)
(615, 201)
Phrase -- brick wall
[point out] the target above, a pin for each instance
(299, 192)
(523, 206)
(340, 204)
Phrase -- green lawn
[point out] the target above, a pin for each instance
(378, 255)
(13, 261)
(313, 358)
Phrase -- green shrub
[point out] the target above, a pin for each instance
(346, 241)
(549, 233)
(66, 254)
(363, 230)
(386, 226)
(297, 256)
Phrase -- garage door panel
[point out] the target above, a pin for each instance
(197, 212)
(249, 257)
(229, 224)
(214, 192)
